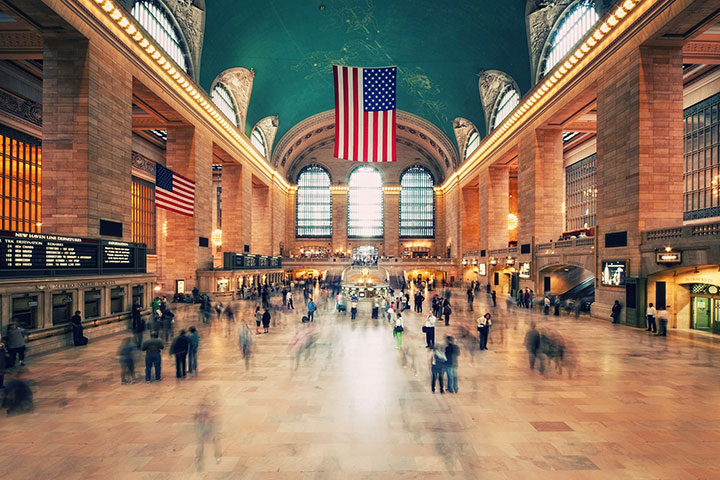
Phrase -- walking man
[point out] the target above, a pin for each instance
(194, 343)
(152, 349)
(179, 348)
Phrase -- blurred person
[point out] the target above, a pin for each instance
(526, 298)
(398, 330)
(470, 298)
(230, 317)
(662, 318)
(152, 349)
(303, 342)
(168, 321)
(546, 305)
(375, 308)
(615, 312)
(3, 362)
(452, 352)
(207, 432)
(258, 320)
(17, 397)
(179, 348)
(557, 306)
(437, 367)
(532, 299)
(532, 344)
(493, 296)
(15, 342)
(246, 343)
(219, 309)
(384, 307)
(651, 325)
(483, 327)
(127, 363)
(193, 346)
(429, 329)
(138, 325)
(266, 321)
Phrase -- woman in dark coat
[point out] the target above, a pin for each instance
(266, 321)
(77, 330)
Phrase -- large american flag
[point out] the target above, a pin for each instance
(365, 113)
(174, 192)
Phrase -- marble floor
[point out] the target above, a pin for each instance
(354, 406)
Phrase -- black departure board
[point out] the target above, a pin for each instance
(34, 254)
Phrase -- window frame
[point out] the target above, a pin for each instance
(408, 189)
(261, 138)
(382, 203)
(544, 66)
(172, 31)
(226, 105)
(701, 155)
(504, 99)
(474, 135)
(297, 204)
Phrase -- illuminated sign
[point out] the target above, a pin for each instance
(668, 257)
(613, 273)
(481, 269)
(524, 271)
(493, 261)
(509, 261)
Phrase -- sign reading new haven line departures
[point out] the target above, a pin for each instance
(41, 255)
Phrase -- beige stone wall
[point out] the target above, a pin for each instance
(470, 219)
(261, 236)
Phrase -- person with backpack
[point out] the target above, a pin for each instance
(447, 311)
(311, 310)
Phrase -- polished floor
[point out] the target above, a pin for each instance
(354, 406)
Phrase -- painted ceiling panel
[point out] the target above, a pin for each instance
(438, 47)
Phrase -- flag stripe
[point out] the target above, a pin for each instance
(392, 139)
(357, 104)
(346, 123)
(337, 110)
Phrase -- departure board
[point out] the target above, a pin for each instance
(34, 254)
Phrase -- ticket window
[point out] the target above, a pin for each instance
(92, 303)
(117, 300)
(61, 307)
(138, 294)
(223, 284)
(25, 311)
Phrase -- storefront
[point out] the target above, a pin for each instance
(704, 307)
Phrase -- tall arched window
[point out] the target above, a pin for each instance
(153, 18)
(507, 103)
(577, 20)
(314, 205)
(223, 100)
(417, 203)
(257, 139)
(472, 143)
(365, 203)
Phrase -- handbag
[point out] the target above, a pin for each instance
(424, 329)
(398, 328)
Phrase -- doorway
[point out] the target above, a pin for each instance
(702, 310)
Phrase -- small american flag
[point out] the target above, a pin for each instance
(365, 113)
(174, 192)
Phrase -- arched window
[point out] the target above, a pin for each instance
(472, 143)
(575, 23)
(507, 103)
(223, 100)
(365, 203)
(257, 139)
(314, 205)
(156, 22)
(417, 203)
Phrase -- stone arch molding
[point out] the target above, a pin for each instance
(239, 82)
(319, 130)
(189, 17)
(492, 84)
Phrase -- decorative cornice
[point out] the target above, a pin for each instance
(21, 108)
(239, 81)
(492, 84)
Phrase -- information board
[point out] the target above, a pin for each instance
(34, 254)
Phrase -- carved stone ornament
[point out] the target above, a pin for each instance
(492, 84)
(268, 128)
(462, 127)
(190, 16)
(21, 108)
(540, 21)
(239, 82)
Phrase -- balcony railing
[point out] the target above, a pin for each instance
(701, 231)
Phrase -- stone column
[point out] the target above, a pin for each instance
(232, 225)
(541, 181)
(87, 137)
(44, 309)
(493, 206)
(391, 198)
(261, 235)
(639, 155)
(339, 217)
(470, 219)
(189, 153)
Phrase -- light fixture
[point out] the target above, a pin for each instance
(512, 221)
(217, 237)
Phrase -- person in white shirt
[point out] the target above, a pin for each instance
(398, 330)
(483, 326)
(651, 325)
(290, 301)
(430, 330)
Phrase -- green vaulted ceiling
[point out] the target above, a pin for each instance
(438, 47)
